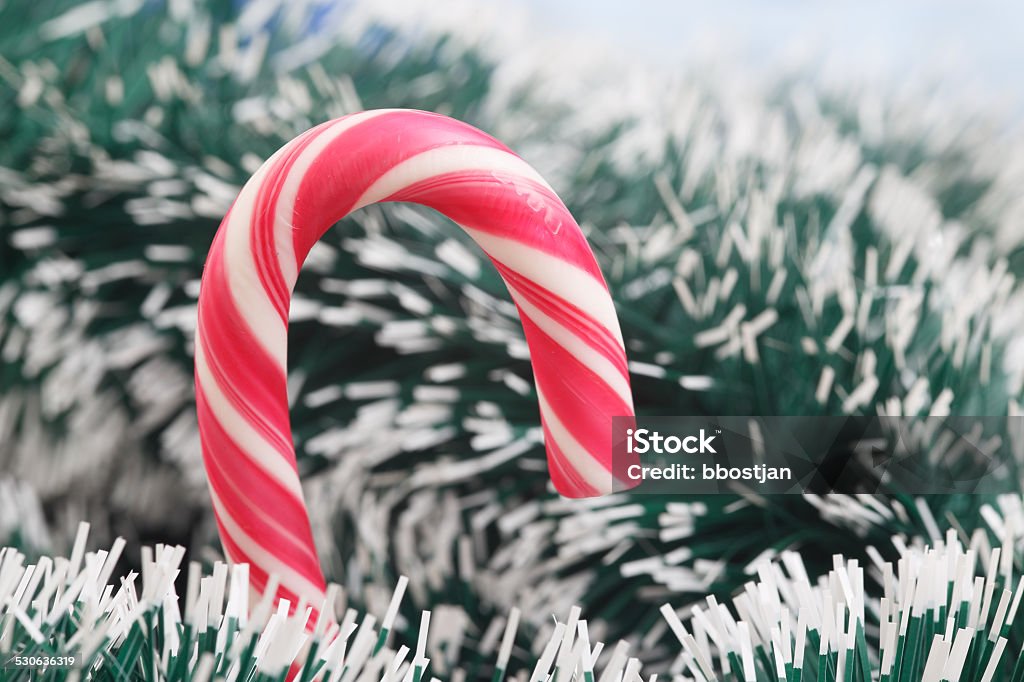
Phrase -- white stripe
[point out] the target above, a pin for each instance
(239, 264)
(266, 515)
(240, 271)
(270, 519)
(577, 346)
(558, 276)
(588, 468)
(449, 159)
(237, 427)
(290, 578)
(283, 226)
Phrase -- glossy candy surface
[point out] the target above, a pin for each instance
(567, 314)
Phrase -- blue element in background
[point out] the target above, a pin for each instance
(971, 46)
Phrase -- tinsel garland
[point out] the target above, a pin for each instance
(947, 612)
(796, 247)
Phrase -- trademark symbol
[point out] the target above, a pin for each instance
(718, 430)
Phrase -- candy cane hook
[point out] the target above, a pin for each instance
(569, 320)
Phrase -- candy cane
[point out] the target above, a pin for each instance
(569, 320)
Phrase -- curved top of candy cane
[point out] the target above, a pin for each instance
(241, 340)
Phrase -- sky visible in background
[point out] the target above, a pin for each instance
(977, 45)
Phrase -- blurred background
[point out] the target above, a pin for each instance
(801, 208)
(972, 48)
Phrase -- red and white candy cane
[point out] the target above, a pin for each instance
(312, 182)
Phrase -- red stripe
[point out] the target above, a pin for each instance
(277, 516)
(232, 352)
(358, 157)
(264, 218)
(595, 334)
(259, 578)
(577, 396)
(563, 475)
(526, 212)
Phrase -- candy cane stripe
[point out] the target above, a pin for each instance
(285, 214)
(362, 155)
(473, 159)
(264, 244)
(503, 204)
(565, 280)
(257, 555)
(576, 393)
(276, 511)
(568, 316)
(514, 214)
(245, 287)
(574, 455)
(240, 430)
(569, 340)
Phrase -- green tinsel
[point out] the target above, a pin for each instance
(949, 612)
